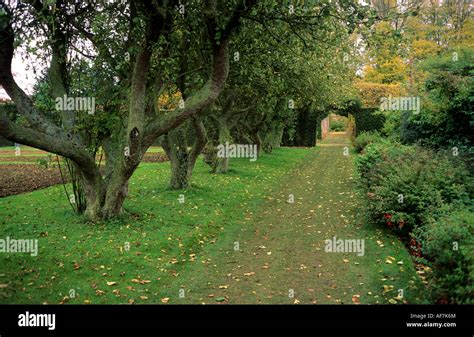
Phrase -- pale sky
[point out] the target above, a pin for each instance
(26, 79)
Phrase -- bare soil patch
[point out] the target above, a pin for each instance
(21, 178)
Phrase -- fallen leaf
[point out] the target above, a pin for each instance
(165, 300)
(111, 283)
(140, 281)
(355, 299)
(387, 288)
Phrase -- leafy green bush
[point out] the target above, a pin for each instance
(366, 138)
(447, 114)
(373, 154)
(423, 196)
(337, 125)
(404, 183)
(447, 245)
(368, 119)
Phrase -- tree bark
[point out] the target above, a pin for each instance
(182, 159)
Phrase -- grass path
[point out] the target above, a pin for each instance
(280, 258)
(188, 249)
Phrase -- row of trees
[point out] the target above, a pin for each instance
(238, 71)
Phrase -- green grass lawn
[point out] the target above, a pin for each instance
(39, 155)
(162, 249)
(164, 235)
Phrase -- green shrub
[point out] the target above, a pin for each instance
(337, 125)
(366, 138)
(368, 119)
(373, 154)
(404, 183)
(447, 245)
(447, 113)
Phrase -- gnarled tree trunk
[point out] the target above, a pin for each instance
(181, 158)
(138, 127)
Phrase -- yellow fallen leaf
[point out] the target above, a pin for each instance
(140, 281)
(111, 283)
(165, 300)
(387, 288)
